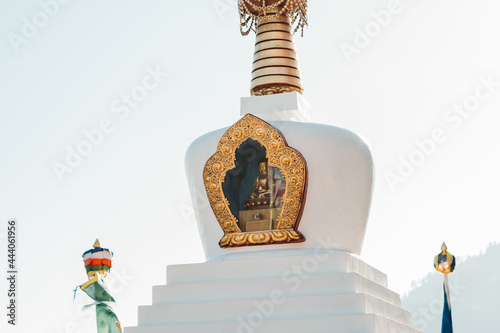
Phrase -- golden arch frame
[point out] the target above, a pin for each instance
(292, 166)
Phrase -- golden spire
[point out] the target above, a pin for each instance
(96, 243)
(275, 66)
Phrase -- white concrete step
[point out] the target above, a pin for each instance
(277, 306)
(295, 285)
(260, 268)
(363, 323)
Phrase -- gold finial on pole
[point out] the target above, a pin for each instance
(96, 243)
(444, 262)
(275, 66)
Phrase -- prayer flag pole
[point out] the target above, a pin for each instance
(98, 264)
(444, 263)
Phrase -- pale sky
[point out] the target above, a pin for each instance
(67, 69)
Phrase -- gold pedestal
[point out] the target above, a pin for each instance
(258, 219)
(257, 203)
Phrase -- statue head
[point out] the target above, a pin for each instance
(263, 166)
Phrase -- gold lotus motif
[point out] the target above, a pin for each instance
(291, 165)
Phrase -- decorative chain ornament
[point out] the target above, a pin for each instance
(253, 12)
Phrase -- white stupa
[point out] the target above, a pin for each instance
(291, 264)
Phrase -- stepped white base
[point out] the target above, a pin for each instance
(314, 293)
(368, 323)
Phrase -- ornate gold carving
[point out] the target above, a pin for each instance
(253, 12)
(291, 165)
(260, 237)
(274, 90)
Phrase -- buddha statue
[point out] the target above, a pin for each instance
(261, 208)
(261, 186)
(266, 184)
